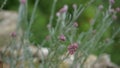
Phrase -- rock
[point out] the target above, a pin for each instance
(92, 61)
(40, 53)
(104, 61)
(8, 21)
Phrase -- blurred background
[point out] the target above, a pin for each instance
(39, 28)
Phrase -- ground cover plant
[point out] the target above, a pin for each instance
(66, 45)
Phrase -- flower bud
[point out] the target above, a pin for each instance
(111, 1)
(62, 37)
(13, 34)
(72, 48)
(117, 9)
(64, 9)
(23, 1)
(75, 24)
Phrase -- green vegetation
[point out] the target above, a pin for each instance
(39, 29)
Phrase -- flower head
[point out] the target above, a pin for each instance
(117, 9)
(72, 48)
(13, 34)
(63, 9)
(111, 1)
(62, 37)
(23, 1)
(75, 24)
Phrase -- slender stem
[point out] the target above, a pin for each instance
(32, 18)
(4, 3)
(52, 12)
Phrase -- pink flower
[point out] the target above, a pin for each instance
(63, 9)
(13, 34)
(72, 48)
(62, 37)
(23, 1)
(75, 24)
(111, 1)
(118, 9)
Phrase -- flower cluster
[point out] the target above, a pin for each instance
(72, 48)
